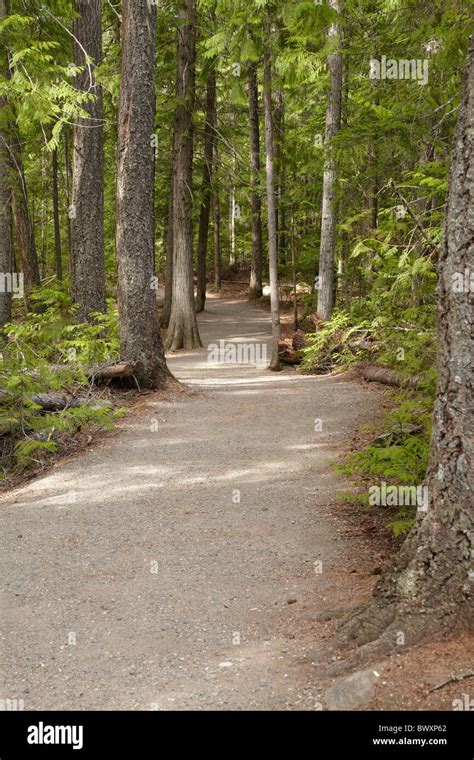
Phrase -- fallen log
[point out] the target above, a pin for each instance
(98, 372)
(48, 402)
(111, 371)
(56, 402)
(376, 374)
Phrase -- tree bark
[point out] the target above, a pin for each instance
(87, 208)
(429, 587)
(57, 232)
(183, 330)
(281, 175)
(138, 308)
(328, 211)
(232, 216)
(376, 374)
(6, 248)
(68, 168)
(293, 267)
(255, 290)
(271, 202)
(216, 222)
(165, 317)
(209, 135)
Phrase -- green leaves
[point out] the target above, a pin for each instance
(48, 351)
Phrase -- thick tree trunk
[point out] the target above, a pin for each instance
(271, 203)
(216, 223)
(139, 325)
(328, 211)
(209, 134)
(87, 208)
(429, 588)
(6, 250)
(255, 290)
(57, 232)
(182, 329)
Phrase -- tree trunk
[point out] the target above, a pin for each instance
(57, 233)
(87, 208)
(429, 588)
(328, 211)
(67, 164)
(255, 168)
(293, 267)
(374, 184)
(216, 222)
(232, 216)
(281, 174)
(165, 318)
(282, 231)
(183, 329)
(138, 308)
(22, 218)
(271, 203)
(209, 134)
(25, 237)
(6, 249)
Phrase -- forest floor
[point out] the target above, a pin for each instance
(194, 558)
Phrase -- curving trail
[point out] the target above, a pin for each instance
(176, 594)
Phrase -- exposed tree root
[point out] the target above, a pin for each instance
(182, 335)
(380, 627)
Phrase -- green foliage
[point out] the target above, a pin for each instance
(47, 351)
(49, 333)
(329, 347)
(400, 457)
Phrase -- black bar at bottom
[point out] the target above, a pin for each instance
(109, 734)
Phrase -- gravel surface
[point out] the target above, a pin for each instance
(178, 564)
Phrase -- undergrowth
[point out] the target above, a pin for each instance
(46, 352)
(393, 325)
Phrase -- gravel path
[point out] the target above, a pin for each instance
(182, 562)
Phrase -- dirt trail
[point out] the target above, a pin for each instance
(134, 578)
